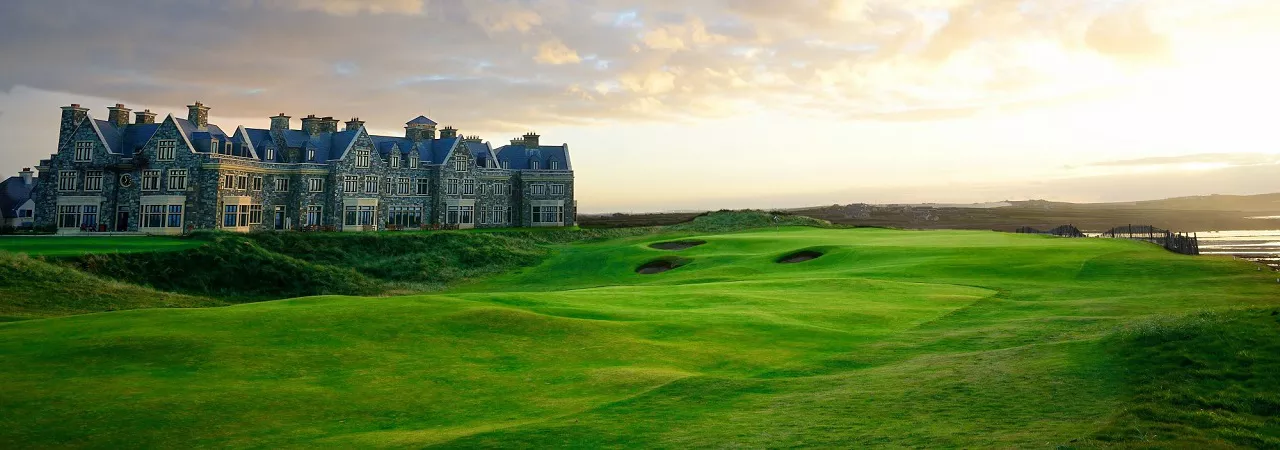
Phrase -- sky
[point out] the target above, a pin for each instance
(707, 104)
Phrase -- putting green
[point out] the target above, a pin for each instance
(929, 339)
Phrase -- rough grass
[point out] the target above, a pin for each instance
(80, 245)
(32, 288)
(892, 338)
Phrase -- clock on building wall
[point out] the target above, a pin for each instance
(126, 180)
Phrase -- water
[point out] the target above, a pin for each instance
(1255, 245)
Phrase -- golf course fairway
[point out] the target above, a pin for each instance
(877, 337)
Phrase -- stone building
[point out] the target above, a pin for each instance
(17, 209)
(187, 174)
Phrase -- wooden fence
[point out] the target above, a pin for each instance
(1187, 244)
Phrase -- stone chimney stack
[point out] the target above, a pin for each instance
(472, 138)
(144, 116)
(531, 139)
(330, 125)
(448, 133)
(311, 124)
(280, 122)
(198, 114)
(118, 115)
(26, 175)
(354, 124)
(71, 118)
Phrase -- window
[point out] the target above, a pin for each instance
(25, 213)
(402, 186)
(313, 216)
(177, 179)
(311, 154)
(452, 187)
(282, 184)
(555, 165)
(93, 180)
(226, 148)
(315, 185)
(484, 215)
(557, 189)
(388, 186)
(533, 164)
(467, 214)
(151, 180)
(77, 216)
(84, 151)
(350, 184)
(165, 150)
(506, 165)
(404, 216)
(538, 189)
(358, 216)
(270, 154)
(413, 160)
(362, 158)
(162, 216)
(229, 182)
(395, 160)
(371, 185)
(257, 183)
(255, 214)
(67, 180)
(423, 186)
(452, 216)
(480, 188)
(468, 186)
(548, 214)
(231, 216)
(242, 182)
(460, 163)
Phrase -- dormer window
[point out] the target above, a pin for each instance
(226, 148)
(311, 154)
(413, 160)
(533, 164)
(555, 165)
(395, 160)
(506, 164)
(271, 154)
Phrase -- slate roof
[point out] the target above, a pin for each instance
(518, 157)
(481, 152)
(433, 152)
(421, 120)
(126, 141)
(13, 194)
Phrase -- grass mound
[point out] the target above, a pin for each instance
(33, 288)
(228, 266)
(677, 245)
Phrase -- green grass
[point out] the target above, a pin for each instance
(892, 338)
(78, 245)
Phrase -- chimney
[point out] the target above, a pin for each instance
(531, 139)
(118, 115)
(330, 125)
(354, 124)
(280, 122)
(144, 116)
(198, 114)
(71, 118)
(26, 175)
(448, 133)
(311, 124)
(472, 138)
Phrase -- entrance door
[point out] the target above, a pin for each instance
(122, 220)
(280, 218)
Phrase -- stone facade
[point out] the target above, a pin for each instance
(185, 174)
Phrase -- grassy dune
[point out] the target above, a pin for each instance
(923, 339)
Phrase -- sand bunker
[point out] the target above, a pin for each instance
(677, 245)
(800, 256)
(659, 266)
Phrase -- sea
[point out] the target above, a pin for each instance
(1255, 245)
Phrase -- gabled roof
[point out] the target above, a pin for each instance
(481, 152)
(136, 136)
(122, 142)
(518, 157)
(429, 152)
(13, 194)
(260, 139)
(421, 120)
(109, 134)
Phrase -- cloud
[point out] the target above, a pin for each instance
(555, 53)
(1227, 159)
(495, 16)
(353, 7)
(681, 37)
